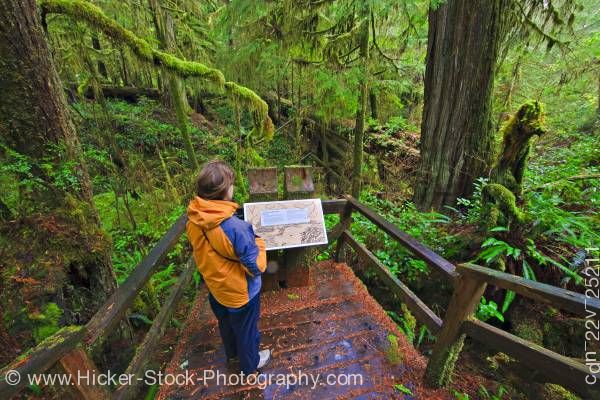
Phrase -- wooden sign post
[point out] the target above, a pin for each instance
(298, 183)
(264, 184)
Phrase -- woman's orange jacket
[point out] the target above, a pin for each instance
(230, 257)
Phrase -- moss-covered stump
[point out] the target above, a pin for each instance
(499, 207)
(501, 197)
(517, 133)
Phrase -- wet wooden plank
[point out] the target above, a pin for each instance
(418, 249)
(576, 303)
(557, 368)
(332, 326)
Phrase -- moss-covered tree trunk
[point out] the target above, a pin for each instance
(457, 130)
(101, 66)
(363, 96)
(56, 252)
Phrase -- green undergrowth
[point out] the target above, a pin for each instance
(427, 227)
(558, 221)
(138, 196)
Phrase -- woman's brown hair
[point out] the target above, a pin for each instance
(214, 180)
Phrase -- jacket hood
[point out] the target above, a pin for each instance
(208, 214)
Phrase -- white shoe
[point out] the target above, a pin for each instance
(265, 357)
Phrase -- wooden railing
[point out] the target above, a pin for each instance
(69, 347)
(469, 282)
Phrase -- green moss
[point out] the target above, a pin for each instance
(410, 322)
(392, 353)
(516, 143)
(439, 370)
(499, 207)
(557, 392)
(60, 250)
(91, 14)
(529, 329)
(496, 361)
(46, 322)
(247, 98)
(51, 341)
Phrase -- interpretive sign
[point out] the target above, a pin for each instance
(287, 224)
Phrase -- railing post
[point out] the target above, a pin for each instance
(82, 369)
(345, 222)
(448, 345)
(264, 186)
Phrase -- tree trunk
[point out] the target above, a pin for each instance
(456, 131)
(59, 242)
(373, 101)
(124, 71)
(359, 127)
(165, 31)
(101, 66)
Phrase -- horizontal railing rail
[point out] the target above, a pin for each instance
(469, 282)
(421, 311)
(64, 347)
(417, 248)
(574, 302)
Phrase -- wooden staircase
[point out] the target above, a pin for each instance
(331, 328)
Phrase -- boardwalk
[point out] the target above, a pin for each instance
(332, 328)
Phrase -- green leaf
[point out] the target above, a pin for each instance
(508, 299)
(403, 389)
(528, 271)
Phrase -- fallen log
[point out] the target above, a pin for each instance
(128, 93)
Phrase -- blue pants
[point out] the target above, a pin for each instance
(239, 331)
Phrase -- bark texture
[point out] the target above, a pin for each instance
(165, 30)
(57, 248)
(359, 128)
(457, 130)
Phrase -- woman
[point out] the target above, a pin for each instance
(231, 259)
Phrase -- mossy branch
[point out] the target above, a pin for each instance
(89, 13)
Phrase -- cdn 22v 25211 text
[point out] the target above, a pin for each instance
(592, 322)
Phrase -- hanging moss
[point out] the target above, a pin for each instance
(85, 11)
(245, 97)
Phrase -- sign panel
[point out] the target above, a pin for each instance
(287, 224)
